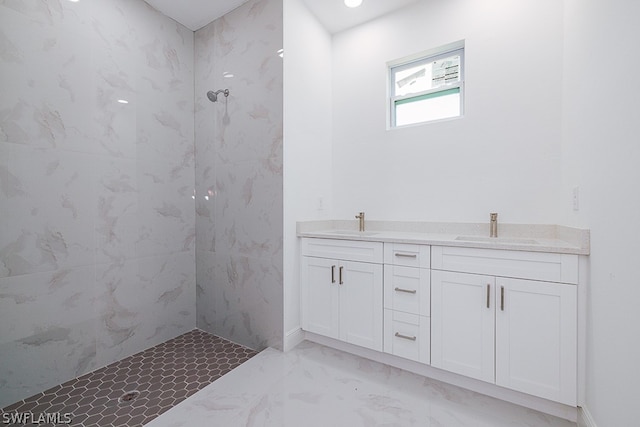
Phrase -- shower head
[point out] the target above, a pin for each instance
(213, 96)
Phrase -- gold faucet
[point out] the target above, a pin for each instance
(493, 225)
(361, 218)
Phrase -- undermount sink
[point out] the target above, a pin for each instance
(354, 233)
(498, 240)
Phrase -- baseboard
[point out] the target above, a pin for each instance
(293, 338)
(584, 418)
(542, 405)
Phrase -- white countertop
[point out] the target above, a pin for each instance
(520, 237)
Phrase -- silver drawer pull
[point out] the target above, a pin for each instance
(399, 335)
(406, 255)
(408, 291)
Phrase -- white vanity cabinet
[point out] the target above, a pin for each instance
(498, 316)
(342, 290)
(407, 301)
(506, 317)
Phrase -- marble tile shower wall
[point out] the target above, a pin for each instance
(239, 176)
(97, 221)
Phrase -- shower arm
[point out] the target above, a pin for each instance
(213, 96)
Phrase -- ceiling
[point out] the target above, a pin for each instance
(336, 17)
(195, 14)
(333, 14)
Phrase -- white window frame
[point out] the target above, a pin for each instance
(424, 57)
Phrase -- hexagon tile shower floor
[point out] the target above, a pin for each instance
(134, 390)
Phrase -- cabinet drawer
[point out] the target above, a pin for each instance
(407, 335)
(348, 250)
(407, 289)
(548, 267)
(407, 255)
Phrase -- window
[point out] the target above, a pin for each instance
(427, 87)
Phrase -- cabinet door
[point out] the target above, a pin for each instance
(536, 346)
(462, 324)
(361, 310)
(320, 296)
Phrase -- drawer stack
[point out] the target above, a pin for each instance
(407, 301)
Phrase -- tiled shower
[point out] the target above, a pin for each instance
(132, 209)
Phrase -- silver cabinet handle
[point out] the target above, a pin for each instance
(340, 275)
(405, 337)
(333, 274)
(399, 255)
(502, 298)
(407, 291)
(488, 296)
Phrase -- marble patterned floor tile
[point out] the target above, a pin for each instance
(313, 385)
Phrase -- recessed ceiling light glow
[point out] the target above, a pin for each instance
(352, 3)
(227, 75)
(123, 101)
(281, 53)
(74, 1)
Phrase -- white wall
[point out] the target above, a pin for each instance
(564, 115)
(503, 156)
(601, 154)
(307, 144)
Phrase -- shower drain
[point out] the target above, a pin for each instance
(128, 397)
